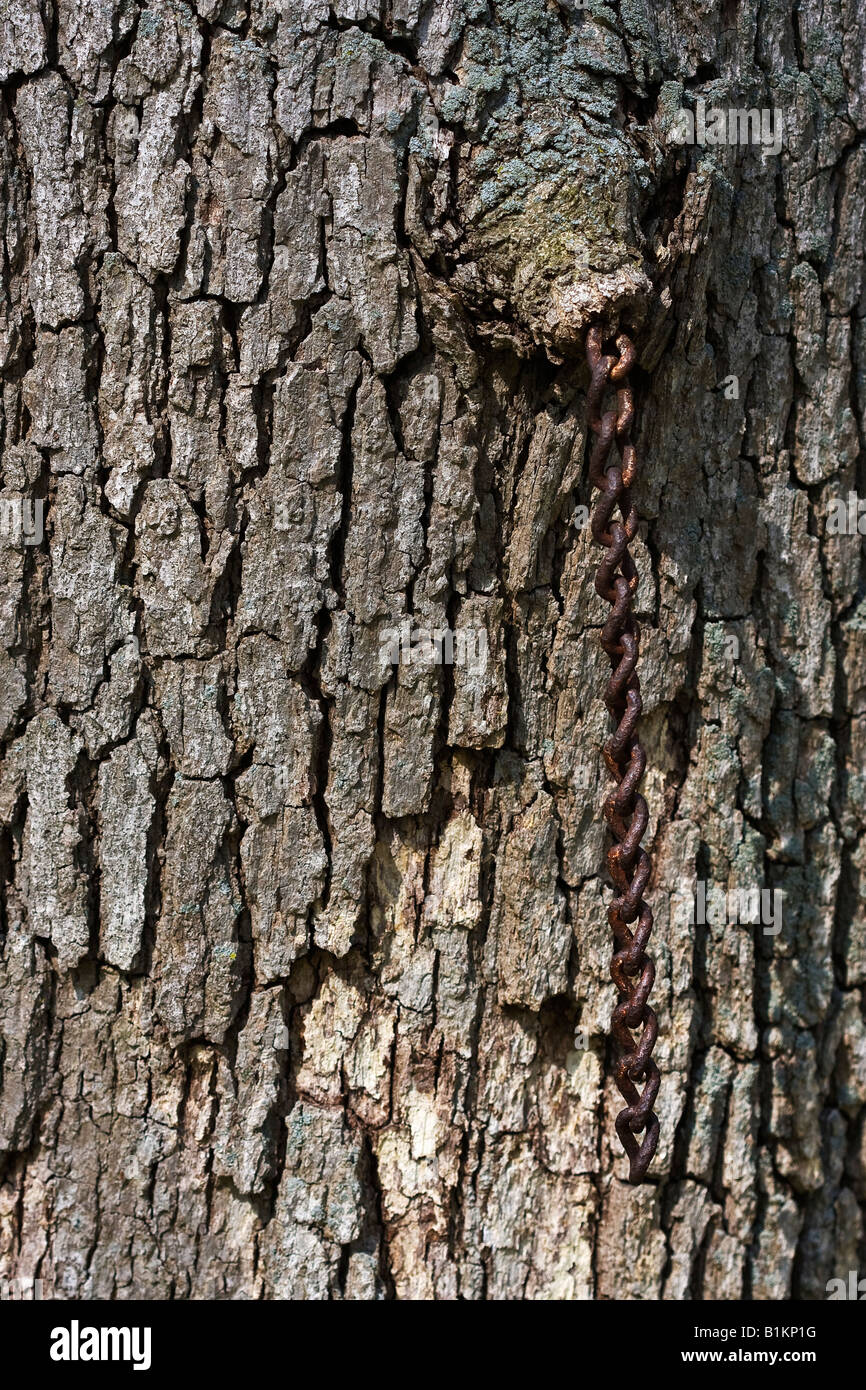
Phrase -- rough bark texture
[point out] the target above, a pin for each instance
(304, 960)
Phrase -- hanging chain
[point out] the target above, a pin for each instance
(625, 810)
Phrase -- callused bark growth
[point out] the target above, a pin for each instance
(304, 954)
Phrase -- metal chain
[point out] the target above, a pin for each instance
(625, 810)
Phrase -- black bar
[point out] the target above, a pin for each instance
(238, 1339)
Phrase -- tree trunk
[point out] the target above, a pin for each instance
(304, 971)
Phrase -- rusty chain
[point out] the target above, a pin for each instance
(625, 810)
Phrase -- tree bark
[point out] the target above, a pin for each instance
(304, 982)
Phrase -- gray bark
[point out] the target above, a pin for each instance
(303, 985)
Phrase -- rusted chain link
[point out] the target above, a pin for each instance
(625, 810)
